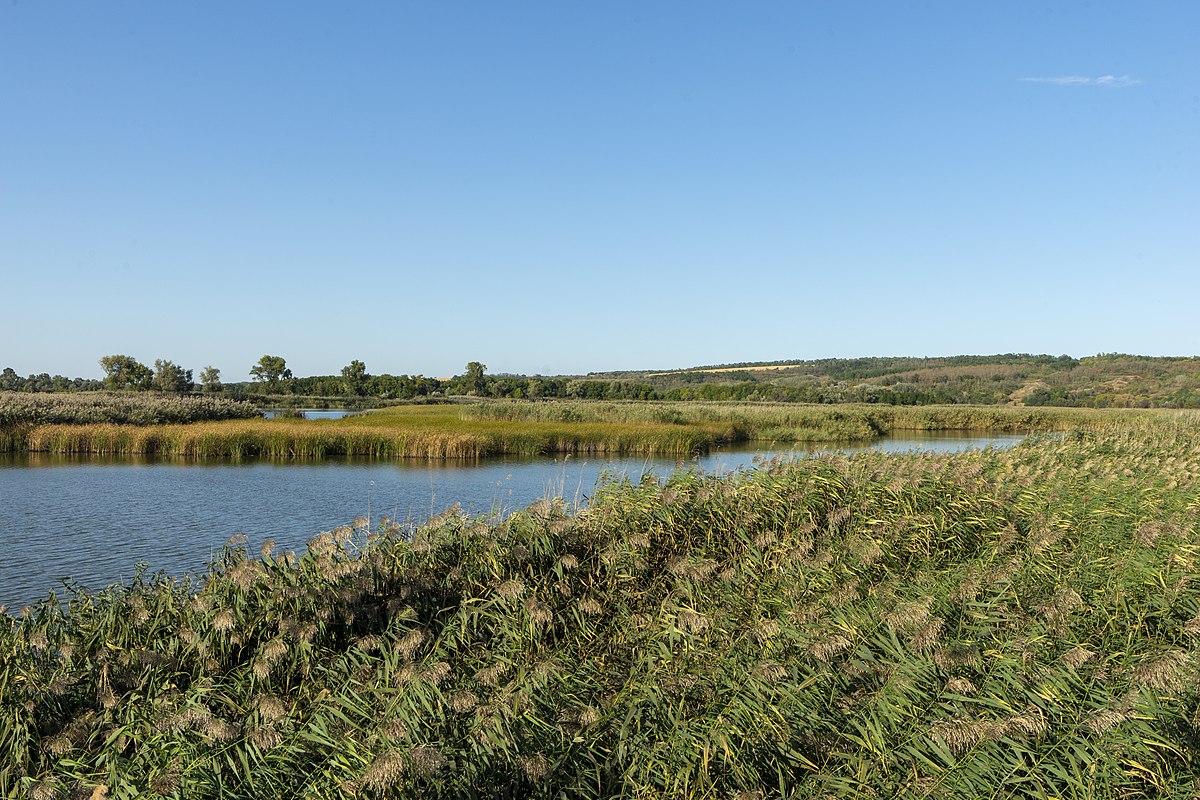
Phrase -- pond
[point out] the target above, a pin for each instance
(94, 519)
(313, 413)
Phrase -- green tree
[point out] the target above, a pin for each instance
(354, 375)
(474, 380)
(170, 377)
(271, 370)
(10, 381)
(210, 379)
(123, 372)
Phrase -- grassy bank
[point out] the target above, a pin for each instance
(792, 422)
(985, 624)
(516, 428)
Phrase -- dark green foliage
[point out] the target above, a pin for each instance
(998, 624)
(355, 376)
(271, 370)
(170, 377)
(124, 372)
(210, 379)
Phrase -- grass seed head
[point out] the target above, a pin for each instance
(491, 675)
(264, 737)
(1164, 671)
(462, 702)
(510, 589)
(436, 672)
(165, 782)
(826, 648)
(385, 771)
(410, 643)
(926, 638)
(539, 612)
(1105, 719)
(275, 649)
(692, 621)
(535, 767)
(1077, 657)
(961, 733)
(218, 730)
(223, 620)
(426, 760)
(770, 672)
(271, 708)
(590, 606)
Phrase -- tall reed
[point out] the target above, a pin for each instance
(130, 408)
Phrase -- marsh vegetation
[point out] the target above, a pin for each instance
(989, 623)
(494, 428)
(118, 408)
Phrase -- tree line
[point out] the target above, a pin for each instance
(270, 376)
(1105, 380)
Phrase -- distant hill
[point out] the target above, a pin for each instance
(1104, 380)
(1107, 380)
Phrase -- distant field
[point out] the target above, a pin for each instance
(755, 368)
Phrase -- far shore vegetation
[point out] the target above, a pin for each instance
(1106, 380)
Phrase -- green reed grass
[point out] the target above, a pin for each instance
(514, 428)
(1019, 623)
(407, 432)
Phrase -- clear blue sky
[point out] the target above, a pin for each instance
(571, 187)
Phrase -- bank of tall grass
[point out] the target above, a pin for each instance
(1020, 623)
(527, 429)
(315, 439)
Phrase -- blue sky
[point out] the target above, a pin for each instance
(570, 187)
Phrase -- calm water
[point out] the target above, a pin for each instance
(315, 413)
(94, 519)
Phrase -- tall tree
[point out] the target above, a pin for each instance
(210, 379)
(474, 379)
(123, 372)
(355, 376)
(271, 370)
(170, 377)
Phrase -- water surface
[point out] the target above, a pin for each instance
(314, 413)
(94, 519)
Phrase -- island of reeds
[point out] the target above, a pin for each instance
(1019, 623)
(201, 427)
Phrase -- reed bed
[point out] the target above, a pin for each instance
(129, 408)
(527, 429)
(804, 423)
(1019, 623)
(315, 439)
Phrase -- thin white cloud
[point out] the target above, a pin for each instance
(1106, 81)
